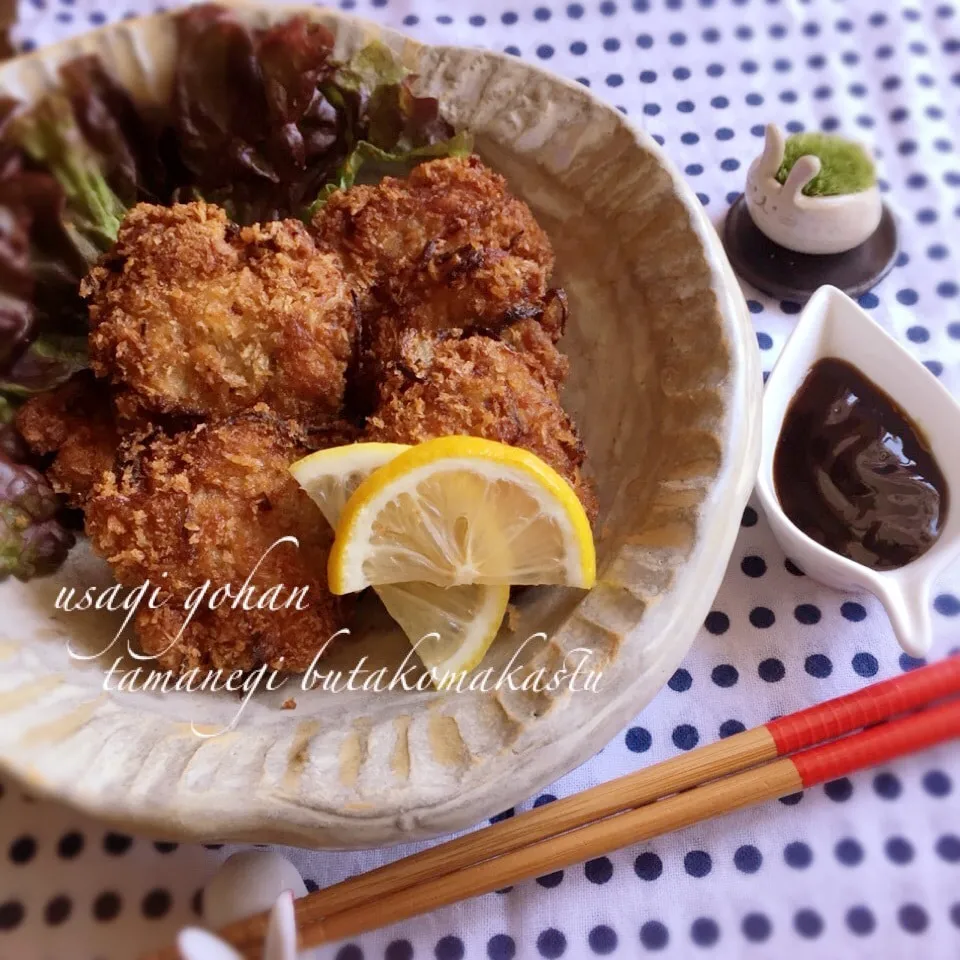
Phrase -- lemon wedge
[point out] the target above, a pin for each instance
(452, 629)
(461, 510)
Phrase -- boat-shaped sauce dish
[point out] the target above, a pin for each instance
(833, 326)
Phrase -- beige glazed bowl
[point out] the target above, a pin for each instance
(665, 386)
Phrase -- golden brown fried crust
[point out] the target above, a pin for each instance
(191, 315)
(208, 505)
(74, 422)
(444, 204)
(475, 385)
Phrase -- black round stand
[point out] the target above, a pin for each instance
(788, 275)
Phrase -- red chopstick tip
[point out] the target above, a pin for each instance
(879, 744)
(867, 706)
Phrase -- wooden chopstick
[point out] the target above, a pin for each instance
(594, 821)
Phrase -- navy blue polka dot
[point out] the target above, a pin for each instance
(730, 727)
(793, 569)
(808, 923)
(860, 920)
(865, 664)
(887, 785)
(747, 859)
(349, 951)
(689, 138)
(756, 927)
(651, 109)
(731, 163)
(654, 935)
(868, 301)
(403, 950)
(948, 848)
(818, 665)
(647, 76)
(947, 605)
(614, 80)
(762, 618)
(704, 932)
(449, 948)
(715, 70)
(748, 66)
(717, 622)
(648, 866)
(575, 11)
(913, 918)
(849, 852)
(764, 341)
(501, 947)
(797, 855)
(771, 670)
(807, 614)
(645, 41)
(578, 48)
(680, 681)
(551, 943)
(908, 663)
(545, 51)
(899, 850)
(551, 880)
(934, 366)
(638, 739)
(720, 103)
(685, 736)
(697, 863)
(947, 288)
(839, 790)
(685, 106)
(854, 612)
(724, 675)
(544, 799)
(599, 870)
(710, 35)
(937, 783)
(602, 939)
(500, 817)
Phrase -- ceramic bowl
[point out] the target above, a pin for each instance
(666, 388)
(832, 325)
(818, 225)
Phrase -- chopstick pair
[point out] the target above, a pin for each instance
(894, 717)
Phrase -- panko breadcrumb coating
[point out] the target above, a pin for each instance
(192, 315)
(443, 206)
(74, 422)
(207, 505)
(447, 248)
(458, 383)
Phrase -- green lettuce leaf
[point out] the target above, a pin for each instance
(459, 145)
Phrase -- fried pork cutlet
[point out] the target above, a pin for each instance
(192, 315)
(75, 423)
(447, 248)
(443, 206)
(455, 383)
(211, 504)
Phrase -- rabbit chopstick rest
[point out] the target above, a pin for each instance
(811, 215)
(816, 222)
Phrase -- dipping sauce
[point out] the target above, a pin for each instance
(854, 473)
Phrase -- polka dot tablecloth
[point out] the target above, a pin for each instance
(865, 867)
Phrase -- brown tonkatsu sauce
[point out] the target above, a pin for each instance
(854, 473)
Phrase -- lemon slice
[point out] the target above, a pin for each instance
(452, 629)
(459, 510)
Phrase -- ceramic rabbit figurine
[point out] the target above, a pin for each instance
(247, 883)
(280, 943)
(817, 225)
